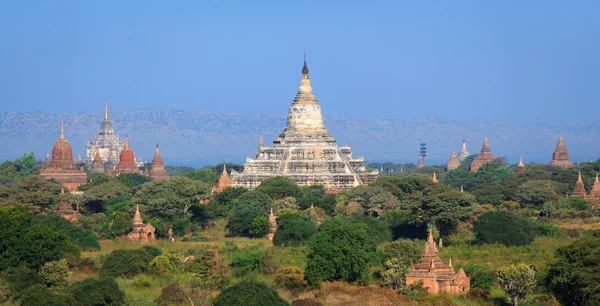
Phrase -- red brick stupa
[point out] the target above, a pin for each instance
(435, 275)
(483, 158)
(61, 167)
(224, 181)
(421, 162)
(127, 160)
(520, 167)
(453, 162)
(97, 164)
(560, 157)
(157, 169)
(595, 193)
(579, 191)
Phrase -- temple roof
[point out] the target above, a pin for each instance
(486, 147)
(62, 154)
(453, 162)
(106, 127)
(137, 219)
(560, 156)
(463, 153)
(421, 162)
(224, 180)
(157, 160)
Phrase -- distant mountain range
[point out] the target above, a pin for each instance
(198, 137)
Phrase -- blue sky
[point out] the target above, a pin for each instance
(516, 61)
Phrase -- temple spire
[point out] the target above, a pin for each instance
(224, 172)
(106, 111)
(126, 147)
(434, 180)
(137, 219)
(62, 131)
(305, 67)
(421, 162)
(486, 146)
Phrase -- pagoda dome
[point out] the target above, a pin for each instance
(61, 151)
(126, 154)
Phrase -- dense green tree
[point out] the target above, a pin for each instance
(315, 195)
(8, 173)
(574, 274)
(41, 295)
(503, 227)
(517, 281)
(493, 193)
(23, 241)
(377, 229)
(97, 292)
(459, 178)
(293, 230)
(440, 205)
(403, 250)
(372, 199)
(218, 168)
(493, 172)
(404, 225)
(178, 170)
(341, 250)
(117, 224)
(205, 175)
(394, 273)
(536, 193)
(118, 204)
(390, 183)
(35, 192)
(226, 197)
(260, 227)
(83, 238)
(96, 197)
(18, 279)
(279, 187)
(133, 179)
(55, 273)
(253, 200)
(25, 164)
(95, 180)
(240, 221)
(249, 293)
(169, 199)
(128, 262)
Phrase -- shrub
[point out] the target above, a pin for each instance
(546, 229)
(260, 227)
(293, 230)
(41, 295)
(83, 238)
(504, 228)
(578, 204)
(94, 292)
(56, 272)
(341, 250)
(20, 279)
(249, 293)
(377, 229)
(161, 266)
(290, 278)
(403, 250)
(117, 224)
(127, 263)
(172, 295)
(240, 222)
(246, 260)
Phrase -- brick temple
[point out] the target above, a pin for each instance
(483, 158)
(560, 156)
(62, 167)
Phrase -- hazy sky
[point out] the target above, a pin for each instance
(517, 61)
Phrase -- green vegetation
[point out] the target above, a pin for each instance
(504, 228)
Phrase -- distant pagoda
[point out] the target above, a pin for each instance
(224, 181)
(61, 167)
(560, 157)
(520, 167)
(157, 168)
(463, 153)
(579, 191)
(483, 158)
(305, 151)
(106, 142)
(97, 165)
(453, 162)
(595, 193)
(127, 161)
(421, 162)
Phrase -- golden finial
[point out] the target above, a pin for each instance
(106, 111)
(126, 142)
(62, 131)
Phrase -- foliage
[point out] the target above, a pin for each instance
(168, 199)
(389, 183)
(240, 222)
(536, 193)
(260, 227)
(377, 229)
(55, 273)
(133, 179)
(226, 197)
(546, 229)
(96, 197)
(172, 295)
(83, 238)
(97, 292)
(127, 262)
(279, 187)
(578, 204)
(290, 278)
(402, 225)
(25, 164)
(574, 274)
(253, 200)
(504, 228)
(161, 265)
(341, 250)
(118, 204)
(204, 175)
(23, 241)
(481, 277)
(117, 224)
(20, 278)
(41, 295)
(293, 230)
(402, 250)
(372, 199)
(249, 293)
(394, 275)
(178, 170)
(35, 192)
(517, 281)
(246, 260)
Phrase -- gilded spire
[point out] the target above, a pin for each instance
(521, 164)
(106, 111)
(224, 172)
(450, 263)
(126, 143)
(421, 162)
(62, 131)
(434, 180)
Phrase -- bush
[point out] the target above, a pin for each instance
(41, 295)
(240, 222)
(246, 260)
(84, 239)
(161, 266)
(117, 224)
(94, 292)
(546, 229)
(20, 279)
(56, 272)
(503, 228)
(260, 227)
(404, 250)
(249, 293)
(290, 278)
(341, 250)
(293, 230)
(172, 295)
(578, 204)
(377, 229)
(127, 263)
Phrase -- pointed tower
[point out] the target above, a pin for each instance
(595, 193)
(560, 157)
(127, 160)
(434, 180)
(61, 167)
(421, 162)
(157, 169)
(453, 162)
(260, 145)
(273, 225)
(109, 144)
(435, 275)
(483, 158)
(520, 167)
(463, 153)
(224, 181)
(579, 191)
(305, 151)
(141, 232)
(97, 165)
